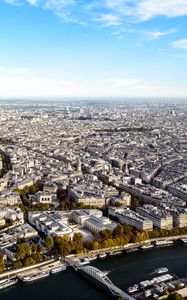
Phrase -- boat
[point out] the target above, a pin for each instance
(147, 247)
(148, 293)
(3, 280)
(161, 270)
(5, 283)
(133, 289)
(102, 255)
(84, 261)
(163, 243)
(93, 257)
(156, 280)
(115, 253)
(58, 269)
(184, 241)
(132, 250)
(35, 276)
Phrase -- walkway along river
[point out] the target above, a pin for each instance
(124, 270)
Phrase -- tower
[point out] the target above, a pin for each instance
(69, 168)
(79, 166)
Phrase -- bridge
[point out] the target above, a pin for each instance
(101, 277)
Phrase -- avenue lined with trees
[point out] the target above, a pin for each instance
(64, 245)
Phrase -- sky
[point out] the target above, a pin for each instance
(86, 48)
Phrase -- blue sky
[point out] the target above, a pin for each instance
(79, 48)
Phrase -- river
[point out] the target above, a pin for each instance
(124, 270)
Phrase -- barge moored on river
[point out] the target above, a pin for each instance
(102, 255)
(58, 269)
(111, 253)
(5, 283)
(163, 243)
(132, 250)
(147, 247)
(35, 276)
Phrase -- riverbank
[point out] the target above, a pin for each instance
(129, 246)
(123, 270)
(15, 272)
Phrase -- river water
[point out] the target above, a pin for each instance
(124, 270)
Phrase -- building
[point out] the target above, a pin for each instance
(10, 252)
(179, 190)
(81, 216)
(160, 218)
(124, 199)
(42, 197)
(127, 216)
(50, 187)
(90, 198)
(50, 223)
(95, 224)
(25, 231)
(179, 219)
(13, 214)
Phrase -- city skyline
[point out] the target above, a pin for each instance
(93, 49)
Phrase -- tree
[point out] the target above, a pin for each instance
(63, 245)
(49, 243)
(78, 237)
(34, 248)
(17, 264)
(40, 248)
(29, 261)
(118, 231)
(23, 249)
(88, 244)
(80, 205)
(33, 189)
(105, 234)
(77, 242)
(1, 259)
(2, 262)
(37, 257)
(25, 190)
(175, 296)
(95, 245)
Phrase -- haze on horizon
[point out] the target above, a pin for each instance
(107, 48)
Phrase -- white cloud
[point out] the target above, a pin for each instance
(147, 9)
(142, 10)
(116, 11)
(182, 44)
(67, 10)
(157, 34)
(13, 2)
(58, 4)
(32, 2)
(151, 35)
(109, 20)
(14, 70)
